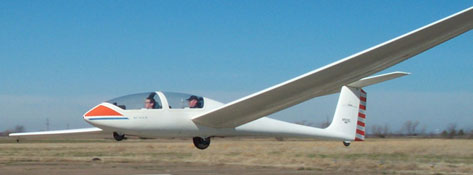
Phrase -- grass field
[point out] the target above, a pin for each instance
(373, 156)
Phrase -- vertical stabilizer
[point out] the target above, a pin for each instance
(350, 115)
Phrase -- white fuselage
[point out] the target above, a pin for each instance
(168, 122)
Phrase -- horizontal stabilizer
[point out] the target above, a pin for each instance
(377, 79)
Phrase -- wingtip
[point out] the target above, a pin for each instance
(401, 73)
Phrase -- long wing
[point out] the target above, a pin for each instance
(332, 77)
(57, 132)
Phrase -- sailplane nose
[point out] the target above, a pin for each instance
(102, 112)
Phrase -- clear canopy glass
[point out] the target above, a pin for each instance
(181, 100)
(150, 100)
(138, 101)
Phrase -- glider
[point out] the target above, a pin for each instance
(169, 114)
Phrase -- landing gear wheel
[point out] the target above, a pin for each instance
(118, 137)
(346, 143)
(201, 143)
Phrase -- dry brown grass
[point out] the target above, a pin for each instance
(398, 156)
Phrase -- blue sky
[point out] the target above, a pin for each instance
(60, 58)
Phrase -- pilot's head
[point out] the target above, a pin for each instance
(150, 103)
(193, 101)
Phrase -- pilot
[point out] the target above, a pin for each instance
(193, 102)
(150, 103)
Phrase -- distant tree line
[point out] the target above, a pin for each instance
(409, 129)
(18, 128)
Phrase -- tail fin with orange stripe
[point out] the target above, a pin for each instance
(349, 120)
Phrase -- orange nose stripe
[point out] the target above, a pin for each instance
(102, 111)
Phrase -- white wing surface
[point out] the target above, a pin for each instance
(331, 78)
(57, 132)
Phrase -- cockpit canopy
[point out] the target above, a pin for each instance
(151, 100)
(180, 100)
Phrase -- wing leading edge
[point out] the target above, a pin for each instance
(57, 132)
(330, 78)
